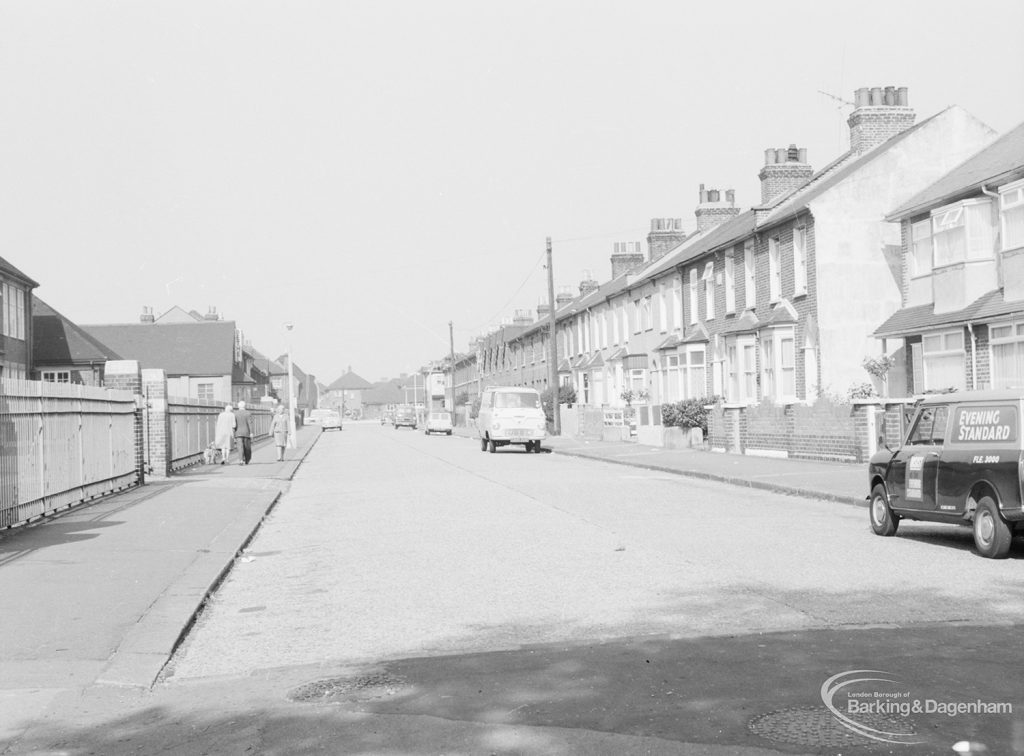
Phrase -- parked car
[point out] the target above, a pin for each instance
(511, 415)
(386, 417)
(962, 462)
(327, 419)
(405, 417)
(438, 422)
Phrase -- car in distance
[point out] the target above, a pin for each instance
(962, 462)
(386, 417)
(327, 419)
(405, 416)
(511, 415)
(438, 422)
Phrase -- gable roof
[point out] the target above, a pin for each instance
(385, 392)
(196, 348)
(56, 340)
(999, 163)
(349, 382)
(178, 315)
(836, 172)
(6, 267)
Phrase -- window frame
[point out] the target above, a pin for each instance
(774, 270)
(708, 277)
(749, 275)
(730, 282)
(1016, 190)
(800, 261)
(945, 351)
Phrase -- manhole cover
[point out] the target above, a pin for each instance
(817, 726)
(363, 688)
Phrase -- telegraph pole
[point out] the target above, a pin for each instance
(451, 354)
(553, 346)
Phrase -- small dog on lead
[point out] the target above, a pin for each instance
(211, 454)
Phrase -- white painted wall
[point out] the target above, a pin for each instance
(857, 289)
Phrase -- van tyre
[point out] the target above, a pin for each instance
(883, 521)
(483, 444)
(491, 446)
(992, 536)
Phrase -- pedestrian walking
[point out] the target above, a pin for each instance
(279, 430)
(223, 433)
(243, 432)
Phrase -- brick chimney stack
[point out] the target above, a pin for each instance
(563, 297)
(588, 284)
(211, 314)
(628, 257)
(879, 114)
(784, 170)
(713, 210)
(147, 315)
(543, 309)
(522, 318)
(666, 234)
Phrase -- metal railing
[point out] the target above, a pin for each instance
(193, 425)
(62, 444)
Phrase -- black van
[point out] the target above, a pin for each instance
(961, 463)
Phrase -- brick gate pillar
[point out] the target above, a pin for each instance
(158, 422)
(124, 375)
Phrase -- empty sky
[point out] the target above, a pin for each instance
(371, 170)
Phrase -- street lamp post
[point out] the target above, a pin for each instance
(291, 388)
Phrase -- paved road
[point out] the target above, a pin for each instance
(436, 599)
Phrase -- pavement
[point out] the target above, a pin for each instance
(100, 596)
(832, 481)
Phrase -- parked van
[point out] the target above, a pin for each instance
(511, 415)
(962, 462)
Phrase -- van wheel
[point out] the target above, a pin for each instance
(992, 536)
(883, 521)
(491, 446)
(483, 444)
(536, 447)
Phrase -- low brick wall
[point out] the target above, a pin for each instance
(826, 430)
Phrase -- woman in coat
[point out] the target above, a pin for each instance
(279, 430)
(224, 432)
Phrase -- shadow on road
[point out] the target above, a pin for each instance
(637, 695)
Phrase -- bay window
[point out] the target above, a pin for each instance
(694, 372)
(1011, 214)
(778, 364)
(672, 387)
(962, 232)
(944, 360)
(741, 369)
(1006, 341)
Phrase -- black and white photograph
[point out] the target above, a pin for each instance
(464, 378)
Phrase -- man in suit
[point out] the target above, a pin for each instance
(243, 432)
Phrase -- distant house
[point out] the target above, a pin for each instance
(304, 385)
(961, 323)
(197, 356)
(346, 394)
(63, 352)
(384, 396)
(16, 340)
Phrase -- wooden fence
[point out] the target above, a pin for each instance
(62, 444)
(193, 425)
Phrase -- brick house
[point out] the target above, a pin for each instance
(63, 352)
(16, 340)
(961, 320)
(346, 394)
(198, 356)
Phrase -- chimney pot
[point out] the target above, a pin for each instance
(730, 196)
(713, 195)
(901, 97)
(861, 97)
(780, 156)
(890, 96)
(803, 154)
(769, 156)
(876, 96)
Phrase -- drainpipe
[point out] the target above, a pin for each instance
(999, 259)
(974, 356)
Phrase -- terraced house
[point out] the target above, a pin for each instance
(961, 324)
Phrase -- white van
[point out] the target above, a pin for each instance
(511, 415)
